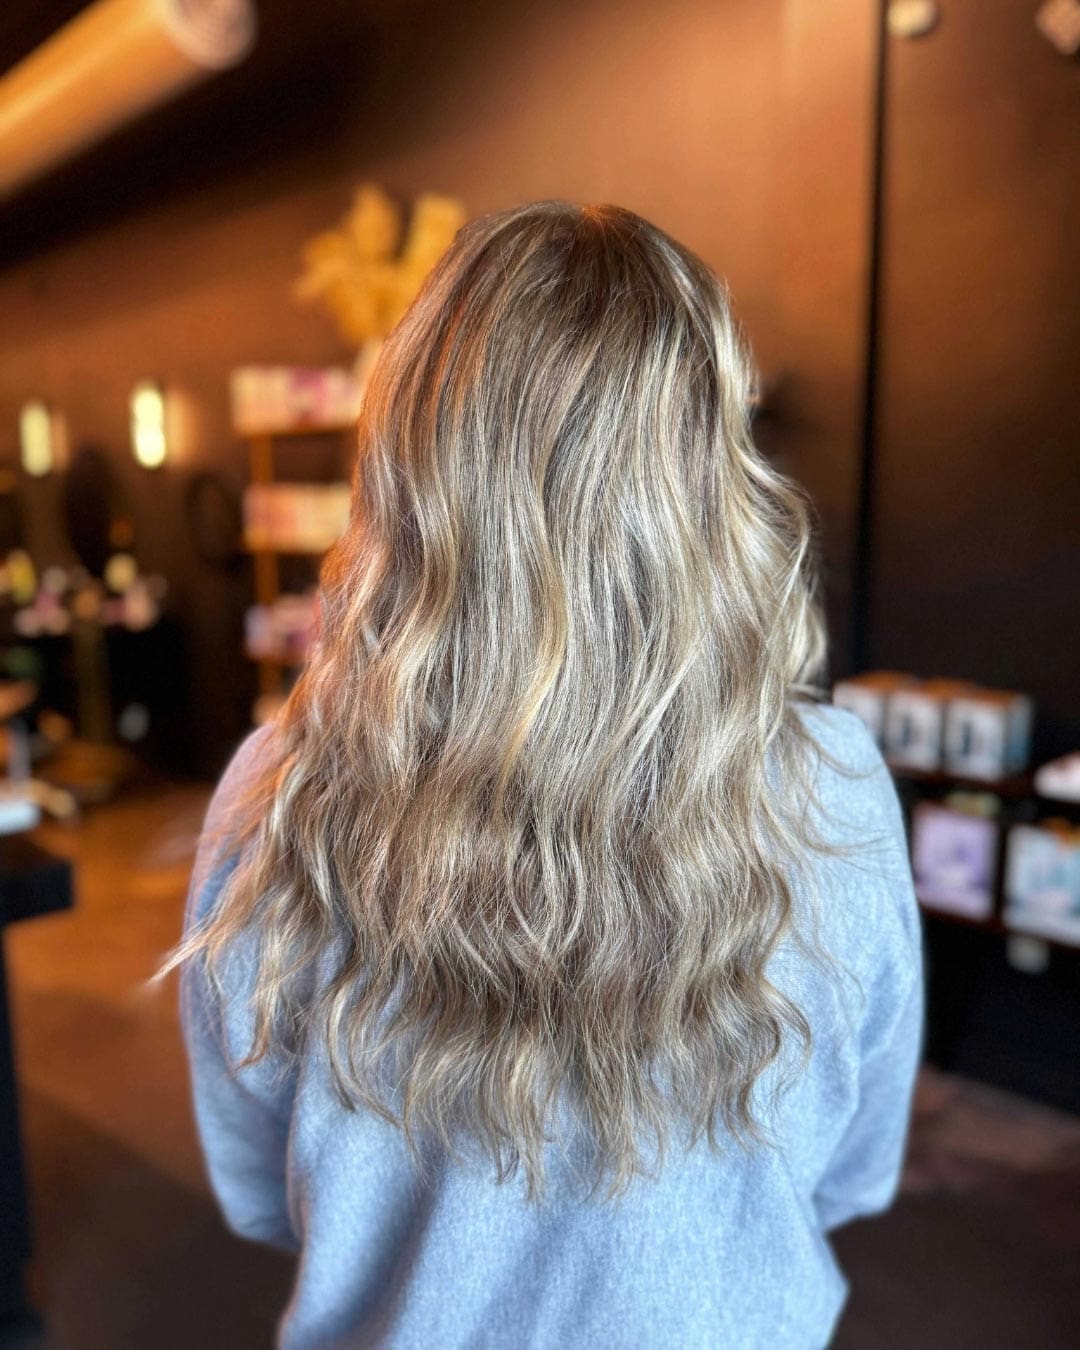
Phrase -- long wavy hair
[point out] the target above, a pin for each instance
(534, 805)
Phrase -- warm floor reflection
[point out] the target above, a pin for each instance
(980, 1250)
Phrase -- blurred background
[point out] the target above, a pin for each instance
(211, 212)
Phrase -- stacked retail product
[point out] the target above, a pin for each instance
(268, 399)
(1007, 854)
(955, 845)
(295, 517)
(283, 630)
(1042, 880)
(947, 725)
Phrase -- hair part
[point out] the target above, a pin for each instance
(534, 803)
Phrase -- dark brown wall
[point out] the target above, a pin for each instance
(976, 560)
(742, 126)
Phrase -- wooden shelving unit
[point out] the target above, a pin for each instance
(262, 472)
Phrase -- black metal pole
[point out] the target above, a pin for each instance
(864, 519)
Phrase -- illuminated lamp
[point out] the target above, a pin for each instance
(36, 438)
(148, 439)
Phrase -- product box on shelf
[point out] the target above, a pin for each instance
(867, 696)
(295, 517)
(942, 724)
(283, 631)
(954, 857)
(988, 733)
(1042, 880)
(915, 723)
(269, 399)
(1060, 779)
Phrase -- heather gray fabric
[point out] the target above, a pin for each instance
(724, 1250)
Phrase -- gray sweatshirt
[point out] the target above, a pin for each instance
(720, 1250)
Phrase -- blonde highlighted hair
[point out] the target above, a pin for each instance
(534, 803)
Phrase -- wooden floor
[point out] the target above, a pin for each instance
(983, 1249)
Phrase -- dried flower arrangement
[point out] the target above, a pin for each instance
(365, 273)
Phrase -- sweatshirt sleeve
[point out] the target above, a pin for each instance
(242, 1114)
(863, 1174)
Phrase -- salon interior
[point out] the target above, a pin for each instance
(212, 212)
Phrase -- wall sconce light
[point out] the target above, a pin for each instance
(148, 439)
(36, 438)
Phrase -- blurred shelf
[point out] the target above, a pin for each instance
(295, 432)
(280, 662)
(288, 552)
(262, 474)
(991, 924)
(996, 925)
(1013, 786)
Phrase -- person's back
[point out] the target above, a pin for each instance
(550, 859)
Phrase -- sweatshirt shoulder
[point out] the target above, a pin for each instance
(842, 735)
(867, 892)
(249, 759)
(851, 777)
